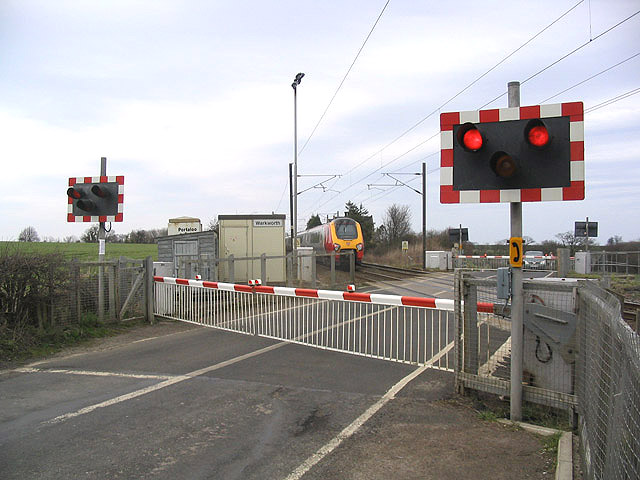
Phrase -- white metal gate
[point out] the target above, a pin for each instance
(412, 330)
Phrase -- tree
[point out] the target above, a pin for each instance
(29, 234)
(615, 240)
(314, 221)
(90, 235)
(361, 215)
(396, 223)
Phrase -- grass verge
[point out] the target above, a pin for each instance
(34, 343)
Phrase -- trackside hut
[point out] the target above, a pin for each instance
(190, 254)
(251, 236)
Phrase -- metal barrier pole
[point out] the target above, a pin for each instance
(263, 268)
(517, 295)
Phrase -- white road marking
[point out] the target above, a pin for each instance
(158, 386)
(94, 373)
(362, 419)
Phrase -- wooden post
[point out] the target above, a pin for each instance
(148, 290)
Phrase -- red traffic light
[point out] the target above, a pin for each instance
(537, 134)
(99, 191)
(74, 193)
(472, 140)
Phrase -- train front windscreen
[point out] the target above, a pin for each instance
(346, 229)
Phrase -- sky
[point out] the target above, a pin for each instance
(192, 102)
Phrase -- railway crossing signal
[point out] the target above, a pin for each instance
(518, 154)
(95, 199)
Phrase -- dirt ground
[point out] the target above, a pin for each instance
(426, 432)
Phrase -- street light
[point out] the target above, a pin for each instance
(294, 226)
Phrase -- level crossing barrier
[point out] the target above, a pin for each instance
(413, 330)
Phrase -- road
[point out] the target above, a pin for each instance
(193, 402)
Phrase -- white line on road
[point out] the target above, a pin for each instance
(362, 419)
(158, 386)
(94, 373)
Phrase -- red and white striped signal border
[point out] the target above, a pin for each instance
(435, 303)
(575, 112)
(101, 218)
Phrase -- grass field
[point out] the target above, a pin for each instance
(86, 251)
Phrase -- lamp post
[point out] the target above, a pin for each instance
(294, 194)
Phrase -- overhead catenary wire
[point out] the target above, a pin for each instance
(501, 95)
(575, 50)
(476, 80)
(345, 77)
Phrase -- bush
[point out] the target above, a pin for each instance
(28, 282)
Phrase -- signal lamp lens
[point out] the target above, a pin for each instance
(503, 165)
(538, 136)
(336, 247)
(359, 247)
(86, 205)
(472, 139)
(73, 193)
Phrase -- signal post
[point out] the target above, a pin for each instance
(513, 155)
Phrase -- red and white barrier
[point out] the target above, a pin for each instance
(425, 302)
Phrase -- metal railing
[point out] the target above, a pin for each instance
(491, 262)
(404, 329)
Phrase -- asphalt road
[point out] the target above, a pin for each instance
(194, 402)
(202, 403)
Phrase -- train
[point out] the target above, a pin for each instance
(339, 235)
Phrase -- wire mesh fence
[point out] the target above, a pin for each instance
(578, 355)
(608, 388)
(109, 291)
(548, 350)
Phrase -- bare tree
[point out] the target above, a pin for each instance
(29, 234)
(396, 223)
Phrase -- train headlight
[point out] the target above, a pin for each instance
(359, 247)
(336, 247)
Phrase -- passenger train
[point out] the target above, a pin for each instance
(339, 235)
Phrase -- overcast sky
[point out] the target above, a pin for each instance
(192, 102)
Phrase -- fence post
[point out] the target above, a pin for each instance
(148, 289)
(118, 279)
(75, 266)
(112, 294)
(352, 267)
(333, 270)
(562, 262)
(470, 341)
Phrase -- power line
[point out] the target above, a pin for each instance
(591, 77)
(345, 76)
(501, 95)
(613, 100)
(565, 56)
(465, 88)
